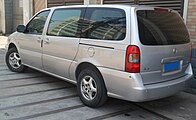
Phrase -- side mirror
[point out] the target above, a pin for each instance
(21, 28)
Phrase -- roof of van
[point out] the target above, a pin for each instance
(102, 5)
(105, 5)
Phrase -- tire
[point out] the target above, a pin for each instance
(89, 81)
(13, 61)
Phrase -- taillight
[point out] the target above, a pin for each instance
(132, 60)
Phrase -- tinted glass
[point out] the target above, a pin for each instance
(161, 28)
(105, 24)
(36, 25)
(64, 22)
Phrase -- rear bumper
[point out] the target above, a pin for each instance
(161, 90)
(129, 86)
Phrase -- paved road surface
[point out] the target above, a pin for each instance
(37, 96)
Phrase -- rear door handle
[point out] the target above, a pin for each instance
(39, 39)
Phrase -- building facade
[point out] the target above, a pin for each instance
(191, 20)
(14, 12)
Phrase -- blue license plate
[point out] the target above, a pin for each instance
(171, 66)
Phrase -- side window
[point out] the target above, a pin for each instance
(36, 25)
(105, 24)
(64, 22)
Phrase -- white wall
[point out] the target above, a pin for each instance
(2, 17)
(185, 12)
(27, 10)
(86, 2)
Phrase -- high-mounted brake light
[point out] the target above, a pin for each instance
(132, 59)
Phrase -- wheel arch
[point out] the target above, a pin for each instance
(84, 65)
(12, 45)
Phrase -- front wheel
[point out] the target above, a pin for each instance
(13, 61)
(91, 88)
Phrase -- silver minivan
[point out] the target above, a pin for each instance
(134, 53)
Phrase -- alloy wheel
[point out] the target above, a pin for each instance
(88, 88)
(14, 60)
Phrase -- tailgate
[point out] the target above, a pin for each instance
(160, 64)
(165, 45)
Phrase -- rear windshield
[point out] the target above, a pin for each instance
(158, 27)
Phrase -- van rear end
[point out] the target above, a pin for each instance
(164, 44)
(157, 61)
(165, 50)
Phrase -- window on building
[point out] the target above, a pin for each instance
(64, 22)
(105, 24)
(36, 25)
